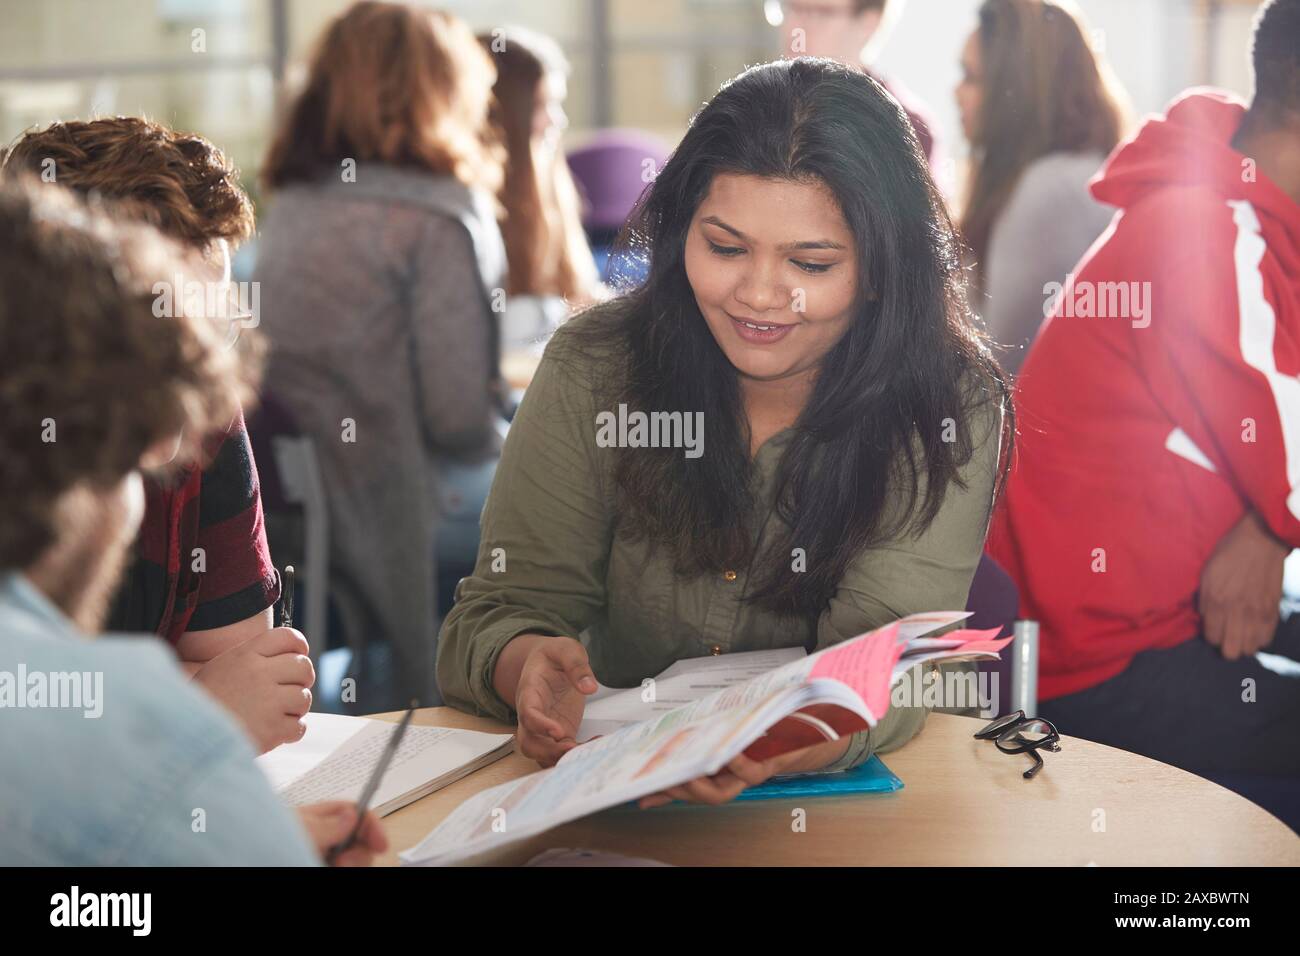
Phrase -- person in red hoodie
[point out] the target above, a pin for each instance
(1156, 489)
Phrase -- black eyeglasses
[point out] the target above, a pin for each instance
(1018, 734)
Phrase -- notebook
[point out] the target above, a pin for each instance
(334, 760)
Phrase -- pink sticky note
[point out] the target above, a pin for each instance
(984, 646)
(985, 640)
(864, 665)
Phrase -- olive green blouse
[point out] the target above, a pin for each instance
(549, 562)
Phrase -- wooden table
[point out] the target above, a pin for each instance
(964, 803)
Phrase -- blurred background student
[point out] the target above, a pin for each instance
(377, 263)
(1041, 111)
(550, 267)
(853, 32)
(550, 271)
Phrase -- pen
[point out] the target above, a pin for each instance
(363, 802)
(286, 597)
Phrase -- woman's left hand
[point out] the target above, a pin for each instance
(743, 772)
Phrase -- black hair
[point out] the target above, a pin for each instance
(1275, 57)
(868, 457)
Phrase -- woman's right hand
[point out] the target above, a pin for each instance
(554, 679)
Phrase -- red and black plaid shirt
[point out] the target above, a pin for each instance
(201, 558)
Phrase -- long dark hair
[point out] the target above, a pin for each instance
(868, 457)
(1045, 91)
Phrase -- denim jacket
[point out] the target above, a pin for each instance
(111, 757)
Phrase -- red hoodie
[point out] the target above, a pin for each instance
(1147, 428)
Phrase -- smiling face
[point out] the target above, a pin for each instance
(773, 266)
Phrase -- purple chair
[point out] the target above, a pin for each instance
(611, 170)
(994, 601)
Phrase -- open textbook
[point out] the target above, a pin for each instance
(611, 708)
(823, 696)
(335, 757)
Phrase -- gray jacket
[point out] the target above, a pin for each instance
(1047, 225)
(376, 301)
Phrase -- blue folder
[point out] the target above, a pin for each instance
(871, 777)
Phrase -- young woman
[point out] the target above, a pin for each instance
(377, 263)
(550, 265)
(1041, 110)
(804, 305)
